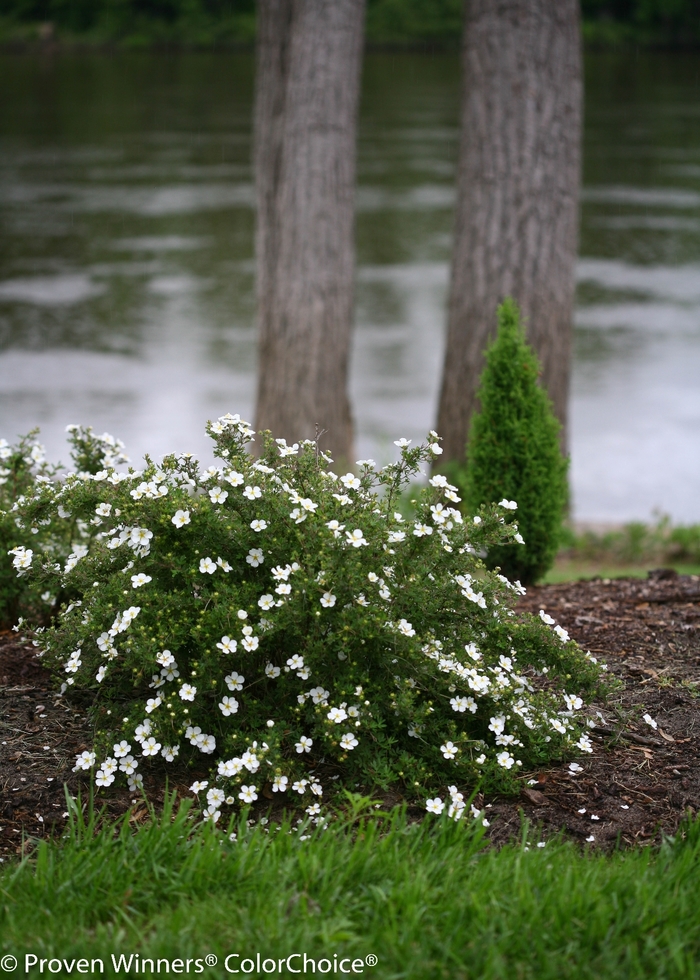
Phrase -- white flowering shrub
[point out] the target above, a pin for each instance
(286, 626)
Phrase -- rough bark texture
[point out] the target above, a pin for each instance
(517, 196)
(308, 78)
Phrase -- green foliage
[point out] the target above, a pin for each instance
(289, 628)
(425, 897)
(513, 452)
(666, 22)
(394, 22)
(636, 543)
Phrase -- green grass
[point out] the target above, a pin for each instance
(572, 569)
(426, 899)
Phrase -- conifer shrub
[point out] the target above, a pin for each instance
(513, 452)
(287, 629)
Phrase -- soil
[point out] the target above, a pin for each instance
(638, 785)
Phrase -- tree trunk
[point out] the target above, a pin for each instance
(307, 90)
(517, 196)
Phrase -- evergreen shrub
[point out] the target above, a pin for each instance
(287, 628)
(513, 452)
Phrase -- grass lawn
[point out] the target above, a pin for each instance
(567, 569)
(428, 900)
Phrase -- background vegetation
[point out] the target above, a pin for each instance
(395, 22)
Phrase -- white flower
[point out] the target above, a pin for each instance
(318, 695)
(395, 537)
(230, 767)
(152, 704)
(235, 479)
(573, 703)
(402, 443)
(420, 530)
(165, 658)
(272, 671)
(558, 725)
(223, 564)
(142, 730)
(252, 493)
(348, 742)
(227, 645)
(546, 618)
(650, 721)
(350, 481)
(519, 538)
(103, 510)
(449, 750)
(23, 558)
(575, 768)
(284, 588)
(279, 784)
(434, 806)
(463, 704)
(104, 778)
(140, 537)
(187, 692)
(206, 744)
(497, 724)
(561, 633)
(337, 715)
(406, 628)
(128, 764)
(342, 499)
(234, 681)
(248, 794)
(207, 566)
(505, 759)
(327, 600)
(150, 747)
(217, 495)
(242, 614)
(266, 601)
(300, 785)
(508, 504)
(169, 752)
(215, 796)
(228, 706)
(361, 600)
(255, 557)
(296, 662)
(335, 527)
(85, 760)
(316, 788)
(477, 520)
(258, 525)
(138, 580)
(313, 809)
(584, 743)
(250, 643)
(437, 450)
(356, 538)
(121, 749)
(198, 785)
(303, 745)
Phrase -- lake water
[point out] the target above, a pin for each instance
(126, 259)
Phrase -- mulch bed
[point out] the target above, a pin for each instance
(637, 786)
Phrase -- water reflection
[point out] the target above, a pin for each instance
(127, 276)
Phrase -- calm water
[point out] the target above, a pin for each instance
(126, 259)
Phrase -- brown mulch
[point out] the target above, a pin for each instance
(638, 785)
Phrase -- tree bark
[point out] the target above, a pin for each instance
(305, 122)
(517, 196)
